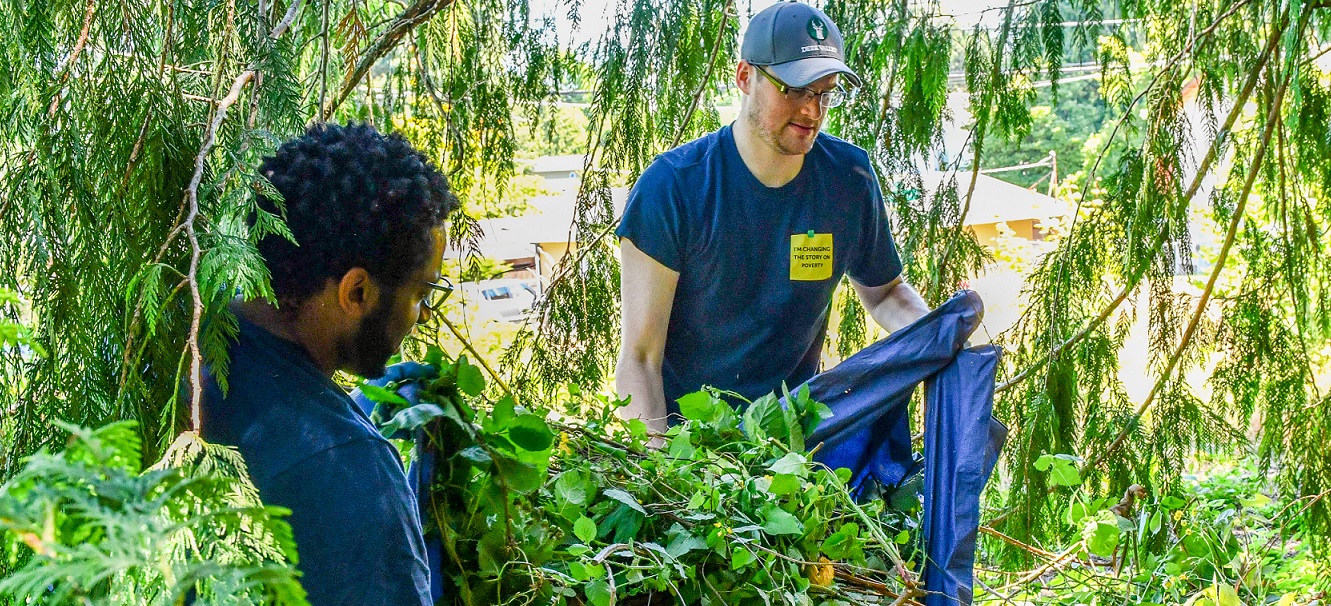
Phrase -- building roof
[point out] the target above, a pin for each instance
(997, 201)
(557, 164)
(550, 221)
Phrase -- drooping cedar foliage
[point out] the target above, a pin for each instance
(131, 132)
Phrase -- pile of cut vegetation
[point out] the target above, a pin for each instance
(535, 505)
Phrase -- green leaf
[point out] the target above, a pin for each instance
(1256, 501)
(530, 432)
(1077, 511)
(572, 487)
(740, 558)
(1172, 502)
(637, 429)
(684, 543)
(784, 484)
(791, 464)
(476, 455)
(411, 418)
(777, 521)
(699, 406)
(585, 529)
(1101, 537)
(470, 379)
(520, 477)
(625, 498)
(1218, 594)
(598, 592)
(681, 446)
(842, 543)
(622, 525)
(1062, 469)
(502, 415)
(381, 395)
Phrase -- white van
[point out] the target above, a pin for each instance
(504, 299)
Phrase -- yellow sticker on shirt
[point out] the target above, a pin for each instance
(810, 256)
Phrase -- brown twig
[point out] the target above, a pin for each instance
(874, 586)
(73, 56)
(188, 225)
(486, 365)
(407, 20)
(1015, 543)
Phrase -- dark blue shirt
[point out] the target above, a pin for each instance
(311, 450)
(757, 265)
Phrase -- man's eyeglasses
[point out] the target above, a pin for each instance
(800, 95)
(439, 292)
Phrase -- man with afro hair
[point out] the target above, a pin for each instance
(366, 213)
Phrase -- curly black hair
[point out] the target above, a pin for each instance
(351, 198)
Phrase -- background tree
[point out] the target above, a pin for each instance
(132, 131)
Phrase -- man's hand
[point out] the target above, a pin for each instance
(648, 291)
(409, 375)
(894, 305)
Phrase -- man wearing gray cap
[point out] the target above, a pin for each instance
(732, 245)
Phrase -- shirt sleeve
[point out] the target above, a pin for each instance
(653, 216)
(878, 262)
(358, 538)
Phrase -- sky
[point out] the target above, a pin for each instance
(597, 14)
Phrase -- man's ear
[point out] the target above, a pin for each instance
(358, 293)
(744, 77)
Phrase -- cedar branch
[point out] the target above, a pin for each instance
(404, 23)
(188, 226)
(1272, 118)
(707, 77)
(1203, 169)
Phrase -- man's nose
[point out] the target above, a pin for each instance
(813, 109)
(425, 315)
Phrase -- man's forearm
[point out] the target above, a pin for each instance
(902, 306)
(642, 384)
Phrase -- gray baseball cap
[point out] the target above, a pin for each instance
(797, 43)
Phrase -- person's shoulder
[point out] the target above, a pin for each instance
(695, 155)
(838, 149)
(845, 159)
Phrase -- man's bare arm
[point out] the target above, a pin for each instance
(648, 291)
(893, 305)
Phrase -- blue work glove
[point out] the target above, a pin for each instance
(409, 374)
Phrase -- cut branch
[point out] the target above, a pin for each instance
(406, 21)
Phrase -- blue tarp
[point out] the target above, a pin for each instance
(869, 432)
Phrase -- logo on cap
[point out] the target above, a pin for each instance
(817, 29)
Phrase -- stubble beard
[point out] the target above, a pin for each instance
(754, 116)
(370, 346)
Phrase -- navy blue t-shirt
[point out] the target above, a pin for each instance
(757, 265)
(310, 449)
